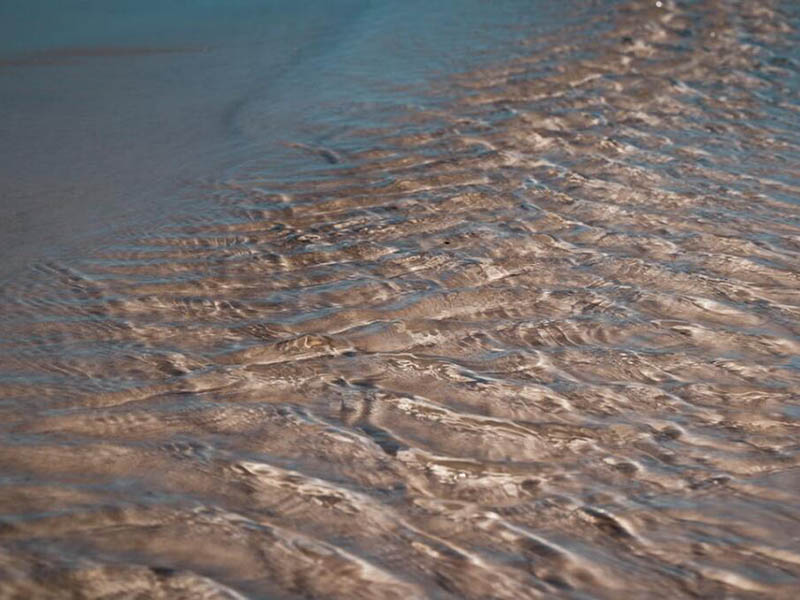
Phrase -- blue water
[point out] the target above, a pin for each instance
(114, 110)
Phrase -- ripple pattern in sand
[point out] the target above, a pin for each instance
(538, 341)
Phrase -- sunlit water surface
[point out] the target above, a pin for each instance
(485, 300)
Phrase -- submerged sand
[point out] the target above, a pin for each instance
(540, 341)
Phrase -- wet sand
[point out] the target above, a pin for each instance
(538, 340)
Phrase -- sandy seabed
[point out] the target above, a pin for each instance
(541, 341)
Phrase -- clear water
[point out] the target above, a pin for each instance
(390, 300)
(113, 109)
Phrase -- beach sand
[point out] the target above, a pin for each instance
(534, 337)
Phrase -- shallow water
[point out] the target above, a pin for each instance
(113, 111)
(525, 330)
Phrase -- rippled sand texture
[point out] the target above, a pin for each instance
(542, 341)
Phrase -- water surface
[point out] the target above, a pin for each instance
(516, 323)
